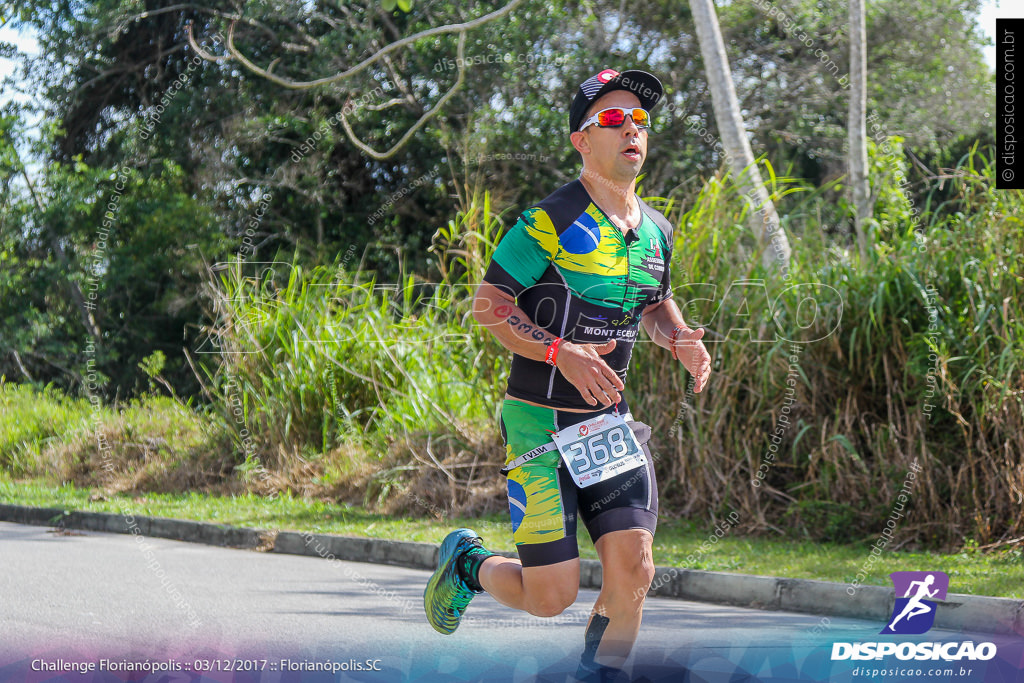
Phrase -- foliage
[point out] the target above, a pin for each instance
(118, 230)
(152, 444)
(913, 359)
(105, 66)
(923, 365)
(314, 361)
(791, 65)
(216, 166)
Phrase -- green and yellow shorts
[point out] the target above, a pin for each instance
(544, 500)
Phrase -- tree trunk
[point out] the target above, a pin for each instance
(764, 221)
(858, 139)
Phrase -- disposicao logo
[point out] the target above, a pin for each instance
(913, 613)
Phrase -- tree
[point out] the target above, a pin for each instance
(12, 164)
(379, 59)
(791, 67)
(858, 143)
(765, 221)
(91, 257)
(230, 137)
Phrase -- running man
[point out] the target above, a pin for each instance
(565, 292)
(914, 606)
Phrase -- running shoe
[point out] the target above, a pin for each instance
(447, 595)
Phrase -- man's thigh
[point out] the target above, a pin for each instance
(628, 501)
(541, 495)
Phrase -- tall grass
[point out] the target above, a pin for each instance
(346, 382)
(880, 391)
(389, 389)
(152, 443)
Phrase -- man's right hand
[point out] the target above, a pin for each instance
(583, 366)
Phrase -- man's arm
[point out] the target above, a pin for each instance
(581, 364)
(659, 320)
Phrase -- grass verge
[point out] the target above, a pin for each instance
(679, 543)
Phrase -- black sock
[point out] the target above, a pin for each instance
(589, 670)
(592, 638)
(469, 562)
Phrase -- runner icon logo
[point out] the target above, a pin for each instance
(917, 596)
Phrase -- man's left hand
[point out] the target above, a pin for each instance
(695, 358)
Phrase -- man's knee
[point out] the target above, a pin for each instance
(628, 566)
(550, 589)
(552, 600)
(550, 605)
(634, 579)
(643, 573)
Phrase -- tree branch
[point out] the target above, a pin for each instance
(207, 10)
(385, 105)
(363, 65)
(200, 51)
(380, 156)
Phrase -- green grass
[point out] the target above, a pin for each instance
(149, 443)
(996, 574)
(31, 419)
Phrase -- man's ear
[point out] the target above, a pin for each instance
(580, 141)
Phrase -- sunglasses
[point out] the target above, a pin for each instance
(613, 117)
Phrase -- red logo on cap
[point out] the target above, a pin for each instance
(607, 75)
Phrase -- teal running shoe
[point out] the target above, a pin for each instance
(447, 595)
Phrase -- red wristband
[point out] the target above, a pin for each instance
(552, 354)
(672, 343)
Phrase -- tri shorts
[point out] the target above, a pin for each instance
(544, 500)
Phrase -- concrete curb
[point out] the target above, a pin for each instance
(958, 612)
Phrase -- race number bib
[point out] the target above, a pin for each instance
(599, 449)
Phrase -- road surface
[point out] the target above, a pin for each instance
(74, 600)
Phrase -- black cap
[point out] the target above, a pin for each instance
(645, 86)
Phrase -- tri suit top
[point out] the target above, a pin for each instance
(576, 275)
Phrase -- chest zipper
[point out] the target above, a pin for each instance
(629, 282)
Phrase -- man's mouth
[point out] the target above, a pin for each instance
(632, 153)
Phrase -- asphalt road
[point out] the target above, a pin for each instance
(67, 600)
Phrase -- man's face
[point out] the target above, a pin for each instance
(615, 153)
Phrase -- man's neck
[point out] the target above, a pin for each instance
(614, 196)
